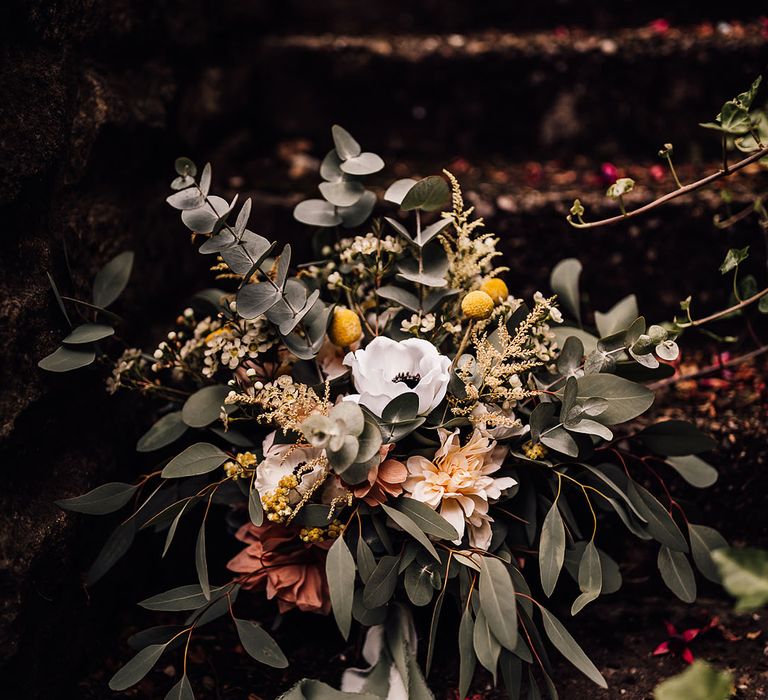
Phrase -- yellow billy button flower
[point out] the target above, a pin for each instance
(496, 289)
(477, 305)
(345, 327)
(534, 450)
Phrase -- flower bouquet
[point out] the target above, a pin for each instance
(385, 427)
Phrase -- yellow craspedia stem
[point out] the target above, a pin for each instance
(496, 289)
(477, 305)
(345, 327)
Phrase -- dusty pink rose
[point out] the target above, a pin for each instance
(291, 571)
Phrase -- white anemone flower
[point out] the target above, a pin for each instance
(457, 483)
(386, 369)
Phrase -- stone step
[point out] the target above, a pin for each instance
(530, 95)
(449, 16)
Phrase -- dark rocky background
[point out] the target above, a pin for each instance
(523, 101)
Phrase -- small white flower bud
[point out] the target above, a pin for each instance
(172, 335)
(158, 354)
(188, 312)
(251, 372)
(258, 386)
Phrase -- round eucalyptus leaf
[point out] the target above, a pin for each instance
(256, 299)
(190, 198)
(357, 213)
(252, 248)
(330, 169)
(316, 212)
(398, 189)
(364, 164)
(343, 193)
(182, 182)
(185, 167)
(89, 333)
(216, 244)
(65, 359)
(204, 218)
(430, 194)
(346, 146)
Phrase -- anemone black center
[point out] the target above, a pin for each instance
(410, 380)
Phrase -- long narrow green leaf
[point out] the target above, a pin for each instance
(567, 646)
(497, 601)
(340, 572)
(551, 549)
(407, 524)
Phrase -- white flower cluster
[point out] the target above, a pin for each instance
(418, 324)
(364, 246)
(232, 343)
(130, 359)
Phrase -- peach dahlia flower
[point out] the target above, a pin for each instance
(457, 482)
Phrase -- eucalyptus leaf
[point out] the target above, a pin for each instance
(164, 432)
(497, 601)
(428, 520)
(397, 190)
(345, 145)
(618, 318)
(204, 406)
(467, 658)
(356, 214)
(343, 193)
(675, 438)
(138, 667)
(405, 522)
(744, 573)
(89, 333)
(112, 279)
(201, 562)
(381, 585)
(104, 499)
(364, 164)
(486, 646)
(677, 573)
(564, 281)
(430, 194)
(590, 577)
(567, 646)
(694, 470)
(704, 541)
(200, 458)
(118, 543)
(66, 359)
(181, 691)
(340, 572)
(259, 644)
(317, 212)
(551, 549)
(626, 400)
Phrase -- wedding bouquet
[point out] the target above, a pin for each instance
(386, 426)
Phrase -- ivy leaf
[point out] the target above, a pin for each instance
(497, 601)
(733, 258)
(112, 279)
(104, 499)
(551, 549)
(340, 572)
(164, 432)
(677, 573)
(138, 667)
(567, 646)
(259, 644)
(200, 458)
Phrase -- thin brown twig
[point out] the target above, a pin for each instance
(686, 189)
